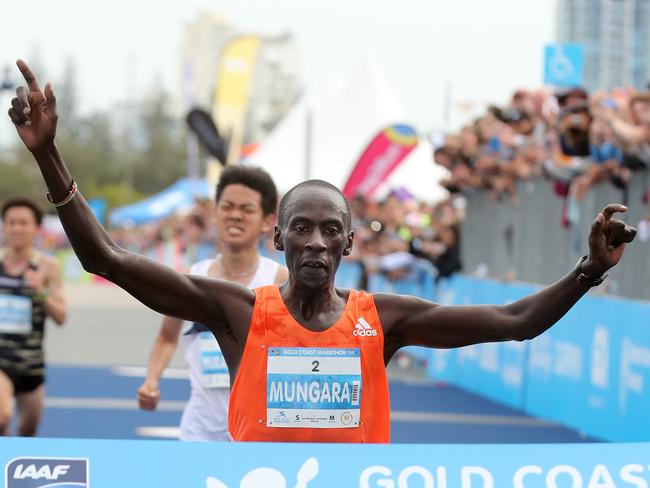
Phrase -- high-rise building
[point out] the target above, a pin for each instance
(615, 35)
(201, 44)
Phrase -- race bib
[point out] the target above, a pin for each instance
(313, 387)
(15, 314)
(214, 371)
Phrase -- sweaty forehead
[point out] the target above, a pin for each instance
(316, 201)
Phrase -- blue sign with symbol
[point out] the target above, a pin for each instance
(563, 64)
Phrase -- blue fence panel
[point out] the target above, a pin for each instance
(558, 368)
(590, 371)
(632, 358)
(493, 370)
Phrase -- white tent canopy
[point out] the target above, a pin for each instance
(346, 113)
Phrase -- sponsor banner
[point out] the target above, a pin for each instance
(233, 89)
(36, 472)
(37, 463)
(495, 370)
(384, 153)
(591, 371)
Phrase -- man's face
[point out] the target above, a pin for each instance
(20, 227)
(239, 216)
(314, 236)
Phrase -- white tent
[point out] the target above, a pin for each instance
(345, 114)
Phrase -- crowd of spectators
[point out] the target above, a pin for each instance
(394, 237)
(575, 138)
(178, 240)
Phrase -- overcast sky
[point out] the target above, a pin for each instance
(485, 49)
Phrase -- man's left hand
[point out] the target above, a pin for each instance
(607, 241)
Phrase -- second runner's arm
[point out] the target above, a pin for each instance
(162, 352)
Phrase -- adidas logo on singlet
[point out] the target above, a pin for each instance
(363, 328)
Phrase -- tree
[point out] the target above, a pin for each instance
(163, 160)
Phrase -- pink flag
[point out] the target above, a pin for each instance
(380, 158)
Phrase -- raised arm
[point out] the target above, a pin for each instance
(412, 321)
(211, 302)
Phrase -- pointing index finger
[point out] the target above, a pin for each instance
(30, 79)
(611, 209)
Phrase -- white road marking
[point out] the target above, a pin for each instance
(141, 372)
(109, 404)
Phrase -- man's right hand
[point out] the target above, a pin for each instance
(33, 111)
(148, 395)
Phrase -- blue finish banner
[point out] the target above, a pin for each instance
(36, 463)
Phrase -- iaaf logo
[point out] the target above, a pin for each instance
(271, 478)
(363, 328)
(40, 472)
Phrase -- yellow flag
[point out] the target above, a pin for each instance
(233, 90)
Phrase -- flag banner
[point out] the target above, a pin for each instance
(233, 90)
(384, 153)
(203, 126)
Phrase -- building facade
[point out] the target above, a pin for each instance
(615, 35)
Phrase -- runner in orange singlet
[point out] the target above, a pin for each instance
(306, 359)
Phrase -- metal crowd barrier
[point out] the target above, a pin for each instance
(524, 238)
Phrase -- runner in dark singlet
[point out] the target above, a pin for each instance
(30, 290)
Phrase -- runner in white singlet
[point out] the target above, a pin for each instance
(206, 413)
(246, 201)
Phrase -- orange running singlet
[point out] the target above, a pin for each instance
(296, 385)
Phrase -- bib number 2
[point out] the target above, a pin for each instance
(313, 387)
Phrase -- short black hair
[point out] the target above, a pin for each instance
(22, 202)
(254, 178)
(286, 199)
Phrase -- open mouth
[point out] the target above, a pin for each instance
(313, 264)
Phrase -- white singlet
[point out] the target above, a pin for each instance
(205, 417)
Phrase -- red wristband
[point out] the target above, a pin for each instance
(71, 194)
